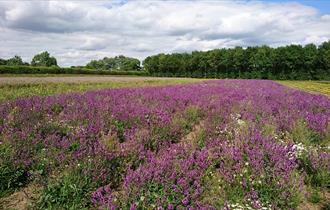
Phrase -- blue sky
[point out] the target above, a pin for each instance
(76, 32)
(322, 5)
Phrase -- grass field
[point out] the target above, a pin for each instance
(12, 87)
(322, 87)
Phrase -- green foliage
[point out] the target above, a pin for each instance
(301, 133)
(293, 62)
(186, 121)
(12, 176)
(218, 192)
(57, 108)
(314, 197)
(118, 63)
(159, 134)
(315, 177)
(43, 59)
(14, 61)
(71, 191)
(148, 196)
(193, 114)
(200, 138)
(215, 193)
(120, 127)
(3, 61)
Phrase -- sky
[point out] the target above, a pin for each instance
(76, 32)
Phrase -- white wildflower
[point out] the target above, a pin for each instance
(299, 149)
(240, 122)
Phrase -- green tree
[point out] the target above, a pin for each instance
(261, 62)
(238, 61)
(3, 61)
(150, 64)
(310, 62)
(43, 59)
(323, 70)
(94, 64)
(15, 61)
(286, 62)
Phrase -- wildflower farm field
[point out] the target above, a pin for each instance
(192, 144)
(16, 86)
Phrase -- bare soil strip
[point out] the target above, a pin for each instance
(21, 199)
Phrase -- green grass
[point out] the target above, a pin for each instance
(14, 90)
(322, 87)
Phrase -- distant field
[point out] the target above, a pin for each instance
(12, 87)
(310, 86)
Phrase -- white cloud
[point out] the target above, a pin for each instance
(78, 31)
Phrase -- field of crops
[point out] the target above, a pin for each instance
(13, 86)
(232, 144)
(310, 86)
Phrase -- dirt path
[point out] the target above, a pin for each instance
(322, 205)
(21, 199)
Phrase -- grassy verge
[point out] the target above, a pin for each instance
(12, 91)
(309, 86)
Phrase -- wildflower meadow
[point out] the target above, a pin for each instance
(217, 144)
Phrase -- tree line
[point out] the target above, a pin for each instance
(41, 59)
(262, 62)
(118, 63)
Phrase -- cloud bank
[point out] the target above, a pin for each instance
(78, 31)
